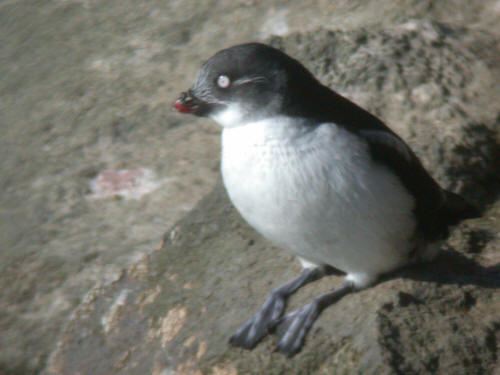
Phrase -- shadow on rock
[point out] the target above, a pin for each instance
(453, 268)
(479, 168)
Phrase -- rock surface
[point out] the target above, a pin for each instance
(173, 311)
(95, 167)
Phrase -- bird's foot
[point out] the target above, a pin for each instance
(292, 329)
(256, 328)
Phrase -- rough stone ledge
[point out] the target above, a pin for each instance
(172, 312)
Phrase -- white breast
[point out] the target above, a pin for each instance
(314, 191)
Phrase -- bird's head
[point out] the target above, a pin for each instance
(245, 83)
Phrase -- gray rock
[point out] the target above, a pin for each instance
(86, 88)
(173, 311)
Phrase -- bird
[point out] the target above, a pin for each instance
(319, 177)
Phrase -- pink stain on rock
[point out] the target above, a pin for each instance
(116, 181)
(125, 183)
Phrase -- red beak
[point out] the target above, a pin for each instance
(185, 103)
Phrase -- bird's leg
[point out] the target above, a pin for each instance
(272, 310)
(293, 327)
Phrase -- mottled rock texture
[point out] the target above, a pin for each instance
(95, 167)
(173, 311)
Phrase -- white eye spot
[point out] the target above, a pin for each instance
(223, 81)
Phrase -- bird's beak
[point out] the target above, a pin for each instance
(187, 103)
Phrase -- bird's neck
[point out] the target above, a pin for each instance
(278, 131)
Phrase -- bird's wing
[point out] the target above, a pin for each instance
(435, 208)
(385, 146)
(388, 149)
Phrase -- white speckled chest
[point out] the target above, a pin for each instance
(314, 191)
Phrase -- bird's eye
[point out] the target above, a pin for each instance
(223, 81)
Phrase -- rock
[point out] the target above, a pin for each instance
(173, 311)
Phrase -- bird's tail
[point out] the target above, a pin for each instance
(453, 211)
(456, 209)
